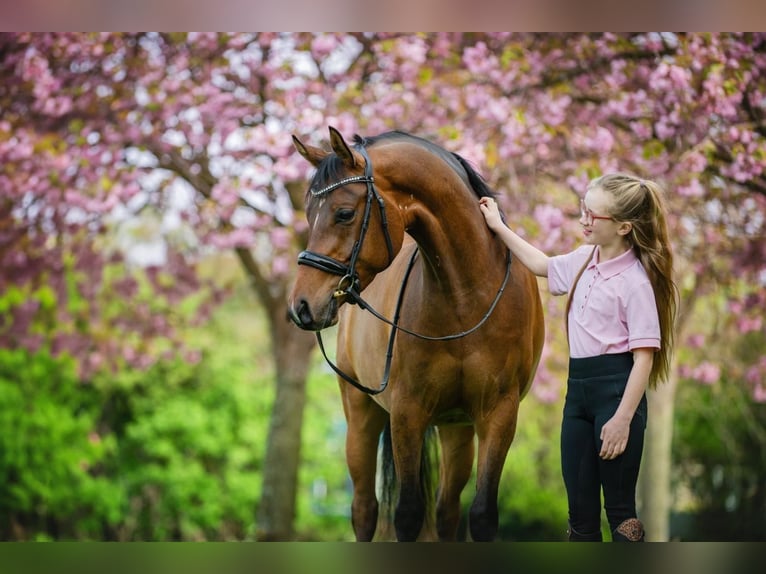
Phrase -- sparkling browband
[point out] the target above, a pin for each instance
(341, 183)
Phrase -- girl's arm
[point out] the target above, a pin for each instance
(614, 434)
(534, 259)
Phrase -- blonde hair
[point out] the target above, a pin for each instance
(640, 202)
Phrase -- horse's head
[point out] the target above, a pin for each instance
(352, 236)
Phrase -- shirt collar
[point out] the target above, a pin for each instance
(613, 266)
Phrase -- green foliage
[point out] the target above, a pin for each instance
(324, 492)
(532, 499)
(719, 446)
(173, 453)
(51, 457)
(189, 454)
(719, 439)
(192, 436)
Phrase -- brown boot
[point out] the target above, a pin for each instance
(631, 530)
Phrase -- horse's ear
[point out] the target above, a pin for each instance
(313, 155)
(348, 156)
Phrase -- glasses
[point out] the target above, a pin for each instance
(589, 216)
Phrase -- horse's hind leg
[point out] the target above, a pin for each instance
(457, 454)
(365, 420)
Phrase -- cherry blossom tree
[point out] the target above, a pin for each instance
(194, 130)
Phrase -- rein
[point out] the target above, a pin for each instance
(396, 327)
(349, 282)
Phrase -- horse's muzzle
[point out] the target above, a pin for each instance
(300, 313)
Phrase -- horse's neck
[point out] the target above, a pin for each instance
(456, 245)
(442, 214)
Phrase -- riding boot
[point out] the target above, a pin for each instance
(575, 536)
(630, 530)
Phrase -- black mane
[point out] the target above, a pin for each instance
(331, 169)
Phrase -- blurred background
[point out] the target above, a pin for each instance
(151, 386)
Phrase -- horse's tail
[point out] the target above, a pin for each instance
(429, 461)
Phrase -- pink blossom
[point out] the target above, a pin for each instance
(240, 237)
(323, 45)
(280, 238)
(754, 375)
(696, 162)
(736, 307)
(696, 341)
(692, 189)
(287, 169)
(603, 140)
(578, 182)
(478, 60)
(280, 266)
(549, 216)
(225, 194)
(750, 324)
(664, 129)
(707, 373)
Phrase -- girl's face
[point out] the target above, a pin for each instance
(599, 227)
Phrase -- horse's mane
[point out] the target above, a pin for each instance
(331, 168)
(463, 168)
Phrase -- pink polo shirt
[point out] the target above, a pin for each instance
(613, 309)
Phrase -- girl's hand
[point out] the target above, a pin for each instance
(614, 438)
(491, 213)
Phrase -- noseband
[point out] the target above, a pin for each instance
(349, 278)
(349, 282)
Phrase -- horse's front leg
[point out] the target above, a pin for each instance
(365, 421)
(495, 432)
(454, 472)
(407, 435)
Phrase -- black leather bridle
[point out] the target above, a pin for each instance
(349, 282)
(349, 278)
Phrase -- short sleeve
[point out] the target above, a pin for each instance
(642, 318)
(563, 268)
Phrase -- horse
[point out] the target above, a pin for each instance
(438, 327)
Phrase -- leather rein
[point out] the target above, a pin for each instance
(349, 278)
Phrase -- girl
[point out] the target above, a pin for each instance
(620, 314)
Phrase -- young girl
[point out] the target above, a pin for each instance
(620, 315)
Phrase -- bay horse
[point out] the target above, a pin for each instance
(437, 326)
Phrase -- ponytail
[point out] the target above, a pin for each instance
(640, 203)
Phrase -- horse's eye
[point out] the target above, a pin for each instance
(344, 215)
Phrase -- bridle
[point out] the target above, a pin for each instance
(349, 278)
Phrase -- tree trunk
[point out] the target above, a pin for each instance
(654, 482)
(654, 490)
(291, 349)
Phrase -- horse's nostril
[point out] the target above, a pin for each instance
(301, 314)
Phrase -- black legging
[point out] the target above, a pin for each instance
(594, 389)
